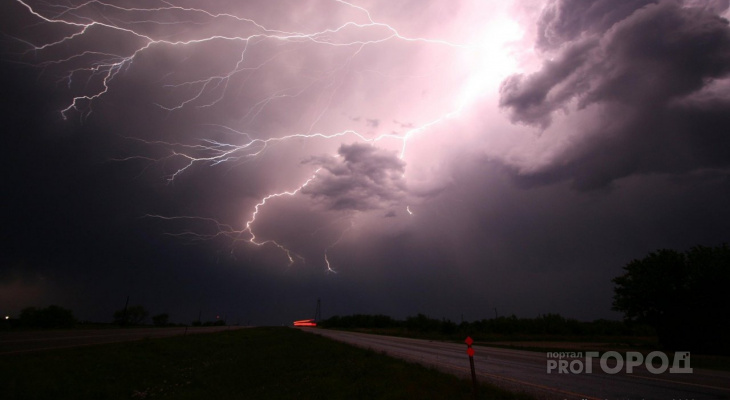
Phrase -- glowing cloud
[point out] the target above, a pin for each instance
(259, 84)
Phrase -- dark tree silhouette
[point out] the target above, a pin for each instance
(49, 317)
(682, 295)
(132, 315)
(547, 324)
(161, 320)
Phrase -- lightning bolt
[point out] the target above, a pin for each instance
(262, 203)
(100, 68)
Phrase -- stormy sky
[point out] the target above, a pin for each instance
(451, 158)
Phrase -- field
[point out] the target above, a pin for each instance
(259, 363)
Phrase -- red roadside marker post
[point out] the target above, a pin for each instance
(470, 352)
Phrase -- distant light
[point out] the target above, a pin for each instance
(7, 317)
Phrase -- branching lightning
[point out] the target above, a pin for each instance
(101, 68)
(262, 203)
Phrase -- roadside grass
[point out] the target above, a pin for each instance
(257, 363)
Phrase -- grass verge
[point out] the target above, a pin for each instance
(259, 363)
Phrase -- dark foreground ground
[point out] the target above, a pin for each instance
(25, 341)
(257, 363)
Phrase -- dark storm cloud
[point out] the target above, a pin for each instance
(565, 21)
(363, 177)
(534, 97)
(653, 72)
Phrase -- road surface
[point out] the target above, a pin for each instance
(519, 370)
(23, 342)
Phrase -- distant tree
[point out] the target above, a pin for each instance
(422, 323)
(46, 318)
(161, 319)
(681, 295)
(132, 315)
(546, 324)
(448, 327)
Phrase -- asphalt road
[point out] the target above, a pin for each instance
(527, 371)
(23, 342)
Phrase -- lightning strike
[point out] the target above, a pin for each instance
(262, 203)
(89, 68)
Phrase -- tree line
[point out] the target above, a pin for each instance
(548, 324)
(57, 317)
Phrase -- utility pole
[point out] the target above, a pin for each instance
(318, 311)
(124, 313)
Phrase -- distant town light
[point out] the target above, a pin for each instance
(7, 317)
